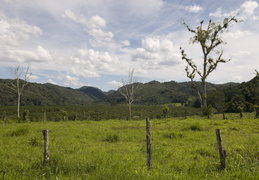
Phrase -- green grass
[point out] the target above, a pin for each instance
(116, 149)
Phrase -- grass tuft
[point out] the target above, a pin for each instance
(111, 138)
(18, 132)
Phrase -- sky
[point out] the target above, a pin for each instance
(97, 42)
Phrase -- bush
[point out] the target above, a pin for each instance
(196, 127)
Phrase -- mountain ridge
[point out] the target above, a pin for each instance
(153, 92)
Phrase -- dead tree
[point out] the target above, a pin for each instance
(20, 83)
(129, 86)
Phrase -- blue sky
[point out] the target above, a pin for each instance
(97, 42)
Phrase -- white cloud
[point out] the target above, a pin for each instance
(70, 80)
(89, 63)
(83, 72)
(14, 31)
(23, 55)
(245, 11)
(115, 84)
(236, 34)
(14, 37)
(52, 81)
(100, 35)
(33, 77)
(194, 8)
(156, 53)
(43, 54)
(218, 13)
(125, 43)
(249, 6)
(93, 22)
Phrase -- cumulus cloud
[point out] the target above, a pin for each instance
(89, 63)
(70, 80)
(14, 35)
(194, 8)
(245, 11)
(219, 13)
(52, 81)
(23, 55)
(125, 43)
(93, 22)
(156, 53)
(237, 34)
(115, 84)
(14, 31)
(100, 37)
(249, 6)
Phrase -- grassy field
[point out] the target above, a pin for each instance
(116, 149)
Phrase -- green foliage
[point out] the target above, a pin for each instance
(25, 115)
(165, 111)
(196, 127)
(95, 112)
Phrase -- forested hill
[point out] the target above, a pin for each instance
(44, 94)
(155, 92)
(227, 96)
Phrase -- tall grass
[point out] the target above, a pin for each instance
(115, 149)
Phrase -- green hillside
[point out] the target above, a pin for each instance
(41, 94)
(227, 97)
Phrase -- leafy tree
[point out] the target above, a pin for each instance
(165, 111)
(209, 39)
(20, 84)
(128, 89)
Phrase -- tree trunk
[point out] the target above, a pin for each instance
(129, 111)
(18, 105)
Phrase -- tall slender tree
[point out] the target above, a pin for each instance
(209, 39)
(129, 86)
(20, 83)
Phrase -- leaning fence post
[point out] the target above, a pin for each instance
(148, 139)
(45, 133)
(222, 151)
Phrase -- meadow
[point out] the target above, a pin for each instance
(182, 148)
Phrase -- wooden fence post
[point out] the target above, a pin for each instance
(222, 151)
(148, 139)
(45, 133)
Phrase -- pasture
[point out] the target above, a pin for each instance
(116, 149)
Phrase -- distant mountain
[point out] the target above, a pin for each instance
(93, 92)
(42, 94)
(225, 97)
(155, 92)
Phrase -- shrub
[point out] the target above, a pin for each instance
(196, 127)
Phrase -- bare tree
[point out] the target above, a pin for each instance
(128, 89)
(20, 83)
(209, 39)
